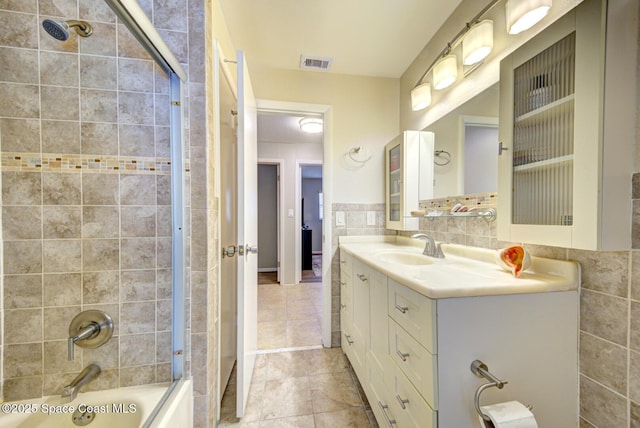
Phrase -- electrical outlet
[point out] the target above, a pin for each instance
(340, 220)
(371, 218)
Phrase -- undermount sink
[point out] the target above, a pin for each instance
(403, 258)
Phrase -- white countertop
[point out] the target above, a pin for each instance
(464, 272)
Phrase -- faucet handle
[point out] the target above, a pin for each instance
(89, 329)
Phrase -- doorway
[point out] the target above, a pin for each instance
(311, 215)
(269, 226)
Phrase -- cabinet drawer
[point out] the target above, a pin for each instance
(383, 405)
(418, 364)
(346, 261)
(412, 411)
(415, 313)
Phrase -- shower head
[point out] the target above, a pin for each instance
(59, 29)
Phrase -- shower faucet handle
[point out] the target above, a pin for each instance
(89, 329)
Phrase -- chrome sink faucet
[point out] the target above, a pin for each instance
(87, 375)
(430, 247)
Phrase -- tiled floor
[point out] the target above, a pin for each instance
(299, 389)
(289, 316)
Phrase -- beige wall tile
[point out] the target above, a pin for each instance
(22, 388)
(21, 188)
(99, 138)
(20, 135)
(27, 6)
(100, 222)
(22, 291)
(22, 326)
(59, 103)
(62, 289)
(170, 15)
(128, 46)
(104, 45)
(178, 43)
(59, 69)
(93, 11)
(61, 189)
(23, 360)
(99, 105)
(138, 189)
(98, 72)
(603, 271)
(135, 75)
(61, 222)
(100, 255)
(59, 8)
(138, 253)
(60, 137)
(137, 285)
(21, 257)
(139, 375)
(604, 362)
(137, 318)
(19, 100)
(137, 140)
(604, 316)
(19, 65)
(100, 287)
(100, 189)
(18, 30)
(137, 350)
(600, 406)
(62, 255)
(136, 108)
(22, 222)
(106, 356)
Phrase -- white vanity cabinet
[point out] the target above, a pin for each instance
(408, 177)
(566, 132)
(412, 354)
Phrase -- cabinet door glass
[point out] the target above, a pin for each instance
(543, 136)
(395, 182)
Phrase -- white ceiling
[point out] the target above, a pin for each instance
(365, 37)
(283, 128)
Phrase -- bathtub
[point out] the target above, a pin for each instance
(123, 408)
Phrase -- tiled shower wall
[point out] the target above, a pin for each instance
(86, 191)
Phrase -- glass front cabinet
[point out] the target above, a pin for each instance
(408, 177)
(565, 153)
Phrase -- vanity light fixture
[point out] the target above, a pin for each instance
(445, 66)
(524, 14)
(311, 125)
(477, 43)
(445, 72)
(421, 96)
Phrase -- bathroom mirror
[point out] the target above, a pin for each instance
(466, 147)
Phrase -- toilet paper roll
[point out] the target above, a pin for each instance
(512, 414)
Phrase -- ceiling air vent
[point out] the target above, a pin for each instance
(315, 63)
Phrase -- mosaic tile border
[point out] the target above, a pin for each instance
(481, 200)
(85, 163)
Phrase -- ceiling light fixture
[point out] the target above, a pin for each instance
(477, 43)
(524, 14)
(445, 66)
(311, 125)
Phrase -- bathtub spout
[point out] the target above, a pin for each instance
(89, 373)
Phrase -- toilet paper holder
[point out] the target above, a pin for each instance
(480, 369)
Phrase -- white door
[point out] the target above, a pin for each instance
(247, 234)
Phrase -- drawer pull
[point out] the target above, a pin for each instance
(402, 309)
(402, 402)
(362, 277)
(384, 408)
(349, 341)
(402, 356)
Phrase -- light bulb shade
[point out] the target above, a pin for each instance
(311, 125)
(477, 43)
(421, 97)
(445, 72)
(524, 14)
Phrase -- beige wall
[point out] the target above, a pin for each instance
(364, 112)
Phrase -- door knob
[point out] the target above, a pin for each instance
(251, 249)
